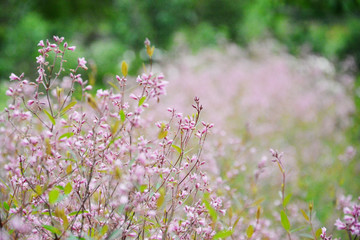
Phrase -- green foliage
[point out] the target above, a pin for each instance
(52, 229)
(104, 28)
(141, 101)
(53, 196)
(223, 234)
(285, 221)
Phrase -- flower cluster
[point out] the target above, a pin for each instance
(88, 166)
(350, 222)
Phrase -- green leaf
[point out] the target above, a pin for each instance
(60, 187)
(124, 68)
(143, 187)
(287, 200)
(162, 134)
(104, 230)
(52, 229)
(113, 85)
(177, 148)
(53, 196)
(77, 212)
(39, 190)
(297, 229)
(236, 221)
(68, 188)
(142, 100)
(65, 109)
(122, 115)
(52, 120)
(6, 206)
(305, 215)
(212, 211)
(249, 231)
(161, 198)
(318, 232)
(223, 234)
(285, 221)
(67, 135)
(306, 236)
(257, 202)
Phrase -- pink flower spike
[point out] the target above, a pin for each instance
(30, 102)
(53, 45)
(88, 88)
(72, 48)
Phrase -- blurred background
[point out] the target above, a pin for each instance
(289, 67)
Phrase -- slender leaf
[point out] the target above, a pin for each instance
(6, 206)
(68, 188)
(66, 135)
(142, 100)
(249, 231)
(297, 229)
(122, 115)
(113, 85)
(257, 202)
(305, 215)
(65, 109)
(52, 229)
(287, 200)
(223, 234)
(124, 68)
(177, 148)
(52, 120)
(60, 187)
(285, 221)
(212, 211)
(161, 198)
(77, 212)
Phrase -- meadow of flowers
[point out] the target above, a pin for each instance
(180, 155)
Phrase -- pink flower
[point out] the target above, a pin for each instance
(340, 225)
(72, 48)
(82, 63)
(10, 92)
(41, 44)
(14, 77)
(147, 42)
(40, 59)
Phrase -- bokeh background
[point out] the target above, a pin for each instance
(272, 74)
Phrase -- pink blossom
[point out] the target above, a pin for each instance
(147, 42)
(340, 225)
(82, 63)
(41, 43)
(40, 59)
(72, 48)
(14, 77)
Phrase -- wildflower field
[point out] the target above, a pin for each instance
(224, 143)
